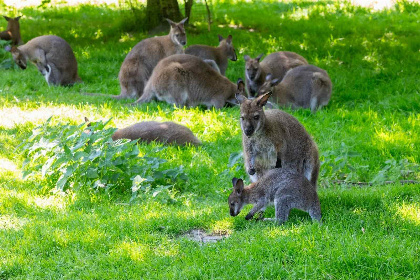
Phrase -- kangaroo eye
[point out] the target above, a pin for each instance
(256, 117)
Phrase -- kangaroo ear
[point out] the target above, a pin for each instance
(246, 57)
(241, 86)
(7, 18)
(220, 37)
(262, 100)
(183, 21)
(173, 24)
(229, 39)
(234, 180)
(18, 18)
(239, 186)
(259, 57)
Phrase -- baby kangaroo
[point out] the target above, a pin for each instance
(187, 80)
(277, 64)
(305, 86)
(140, 61)
(53, 57)
(12, 32)
(283, 188)
(273, 139)
(165, 132)
(219, 54)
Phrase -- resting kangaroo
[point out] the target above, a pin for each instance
(12, 32)
(219, 54)
(273, 138)
(187, 80)
(283, 188)
(277, 64)
(140, 61)
(53, 57)
(165, 132)
(305, 86)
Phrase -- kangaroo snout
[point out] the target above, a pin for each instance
(183, 43)
(251, 171)
(249, 131)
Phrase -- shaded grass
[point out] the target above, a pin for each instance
(373, 116)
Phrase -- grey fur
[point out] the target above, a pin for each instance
(283, 188)
(305, 86)
(273, 138)
(277, 64)
(53, 57)
(142, 59)
(219, 54)
(186, 80)
(165, 132)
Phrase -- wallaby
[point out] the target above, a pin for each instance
(140, 61)
(283, 188)
(219, 54)
(305, 86)
(12, 32)
(186, 80)
(273, 138)
(165, 132)
(277, 64)
(53, 57)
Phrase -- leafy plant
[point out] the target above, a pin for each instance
(6, 61)
(84, 156)
(393, 171)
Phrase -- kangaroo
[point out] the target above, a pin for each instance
(53, 57)
(219, 54)
(12, 32)
(283, 188)
(140, 61)
(277, 64)
(273, 139)
(186, 80)
(305, 86)
(165, 132)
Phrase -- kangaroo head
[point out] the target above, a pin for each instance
(236, 200)
(252, 113)
(252, 67)
(19, 57)
(227, 45)
(268, 85)
(12, 23)
(177, 32)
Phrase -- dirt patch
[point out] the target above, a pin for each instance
(201, 236)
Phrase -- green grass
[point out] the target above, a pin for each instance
(370, 131)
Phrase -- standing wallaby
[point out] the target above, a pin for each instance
(187, 80)
(219, 54)
(283, 188)
(165, 132)
(140, 61)
(12, 32)
(277, 64)
(273, 139)
(53, 57)
(305, 86)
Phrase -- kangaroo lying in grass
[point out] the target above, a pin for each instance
(273, 139)
(165, 132)
(277, 64)
(53, 57)
(187, 80)
(12, 33)
(283, 188)
(142, 59)
(219, 54)
(305, 86)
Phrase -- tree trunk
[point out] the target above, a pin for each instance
(157, 10)
(188, 7)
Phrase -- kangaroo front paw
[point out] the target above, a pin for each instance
(249, 216)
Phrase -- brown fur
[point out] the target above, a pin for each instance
(219, 54)
(305, 86)
(283, 188)
(273, 138)
(12, 33)
(277, 64)
(187, 80)
(165, 132)
(53, 57)
(142, 59)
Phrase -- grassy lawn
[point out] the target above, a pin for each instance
(370, 132)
